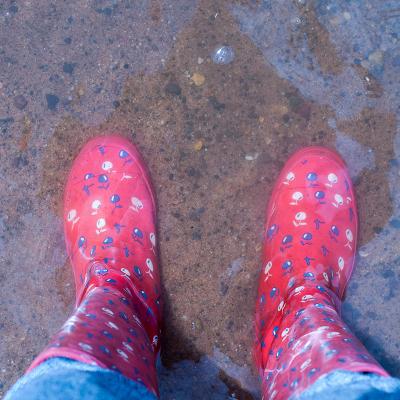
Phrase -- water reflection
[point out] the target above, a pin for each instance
(342, 57)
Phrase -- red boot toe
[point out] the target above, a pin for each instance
(110, 235)
(110, 219)
(309, 252)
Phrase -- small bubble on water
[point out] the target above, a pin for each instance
(223, 55)
(296, 21)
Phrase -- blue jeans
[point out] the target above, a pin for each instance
(60, 378)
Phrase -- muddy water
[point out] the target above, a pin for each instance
(215, 138)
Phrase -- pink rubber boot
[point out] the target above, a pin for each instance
(309, 252)
(109, 222)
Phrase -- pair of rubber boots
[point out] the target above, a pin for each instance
(309, 252)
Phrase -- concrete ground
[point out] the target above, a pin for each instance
(215, 137)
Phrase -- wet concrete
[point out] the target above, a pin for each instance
(215, 138)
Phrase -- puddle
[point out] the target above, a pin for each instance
(215, 137)
(212, 377)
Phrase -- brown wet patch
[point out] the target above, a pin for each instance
(66, 141)
(211, 198)
(155, 11)
(325, 52)
(318, 41)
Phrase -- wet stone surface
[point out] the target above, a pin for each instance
(215, 137)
